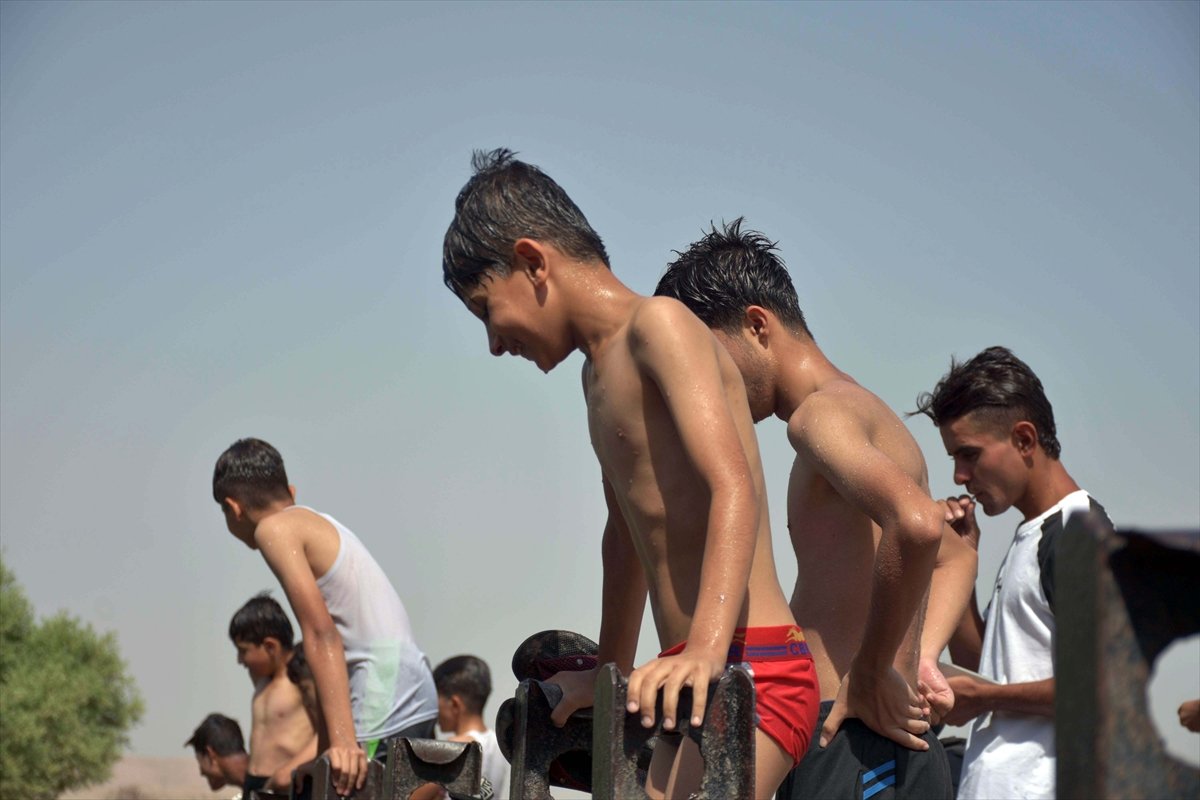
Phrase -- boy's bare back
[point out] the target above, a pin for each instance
(834, 541)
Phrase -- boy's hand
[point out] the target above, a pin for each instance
(960, 515)
(579, 691)
(693, 670)
(348, 766)
(884, 702)
(968, 704)
(1189, 715)
(935, 691)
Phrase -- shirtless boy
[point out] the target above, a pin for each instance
(373, 682)
(282, 736)
(682, 479)
(863, 525)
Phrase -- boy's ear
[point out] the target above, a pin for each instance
(235, 508)
(758, 323)
(210, 753)
(292, 492)
(1024, 437)
(272, 645)
(531, 257)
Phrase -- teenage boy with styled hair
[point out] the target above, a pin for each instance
(464, 684)
(864, 528)
(220, 751)
(373, 682)
(680, 466)
(998, 427)
(281, 735)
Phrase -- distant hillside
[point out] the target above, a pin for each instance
(145, 778)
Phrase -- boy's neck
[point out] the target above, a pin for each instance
(1048, 484)
(257, 515)
(596, 303)
(801, 369)
(470, 722)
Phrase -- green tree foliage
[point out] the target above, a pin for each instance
(66, 701)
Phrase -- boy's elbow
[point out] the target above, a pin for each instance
(923, 529)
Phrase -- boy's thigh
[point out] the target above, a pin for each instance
(859, 764)
(676, 767)
(771, 764)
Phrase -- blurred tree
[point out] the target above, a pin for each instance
(66, 701)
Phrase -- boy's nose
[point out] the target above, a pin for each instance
(495, 345)
(961, 476)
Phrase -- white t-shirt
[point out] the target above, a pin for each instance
(495, 765)
(391, 684)
(1012, 755)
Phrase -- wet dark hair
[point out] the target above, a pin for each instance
(506, 200)
(465, 676)
(251, 472)
(259, 618)
(727, 270)
(220, 733)
(997, 386)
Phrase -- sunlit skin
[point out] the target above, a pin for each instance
(859, 514)
(1001, 465)
(300, 546)
(282, 736)
(682, 479)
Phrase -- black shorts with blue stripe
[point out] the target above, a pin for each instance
(859, 764)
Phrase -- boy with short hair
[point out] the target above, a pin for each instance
(860, 515)
(681, 472)
(998, 427)
(281, 735)
(464, 684)
(220, 751)
(373, 682)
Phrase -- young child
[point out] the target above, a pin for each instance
(464, 684)
(681, 473)
(860, 515)
(281, 735)
(220, 751)
(998, 427)
(373, 682)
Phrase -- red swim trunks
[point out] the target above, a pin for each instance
(786, 697)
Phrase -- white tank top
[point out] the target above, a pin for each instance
(495, 765)
(391, 685)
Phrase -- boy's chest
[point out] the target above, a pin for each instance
(619, 410)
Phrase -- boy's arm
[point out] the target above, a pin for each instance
(950, 589)
(973, 697)
(966, 641)
(622, 603)
(677, 352)
(282, 545)
(834, 441)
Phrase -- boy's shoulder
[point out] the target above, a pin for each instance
(658, 324)
(837, 408)
(291, 522)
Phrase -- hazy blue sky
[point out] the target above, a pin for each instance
(225, 219)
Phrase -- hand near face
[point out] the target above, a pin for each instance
(960, 515)
(1189, 715)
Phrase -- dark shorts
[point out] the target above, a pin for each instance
(859, 764)
(254, 783)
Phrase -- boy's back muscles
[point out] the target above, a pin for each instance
(834, 540)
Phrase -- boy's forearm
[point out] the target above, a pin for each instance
(904, 563)
(327, 660)
(725, 571)
(951, 589)
(1035, 697)
(966, 643)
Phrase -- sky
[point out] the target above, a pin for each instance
(221, 220)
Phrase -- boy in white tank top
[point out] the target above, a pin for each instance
(463, 686)
(372, 681)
